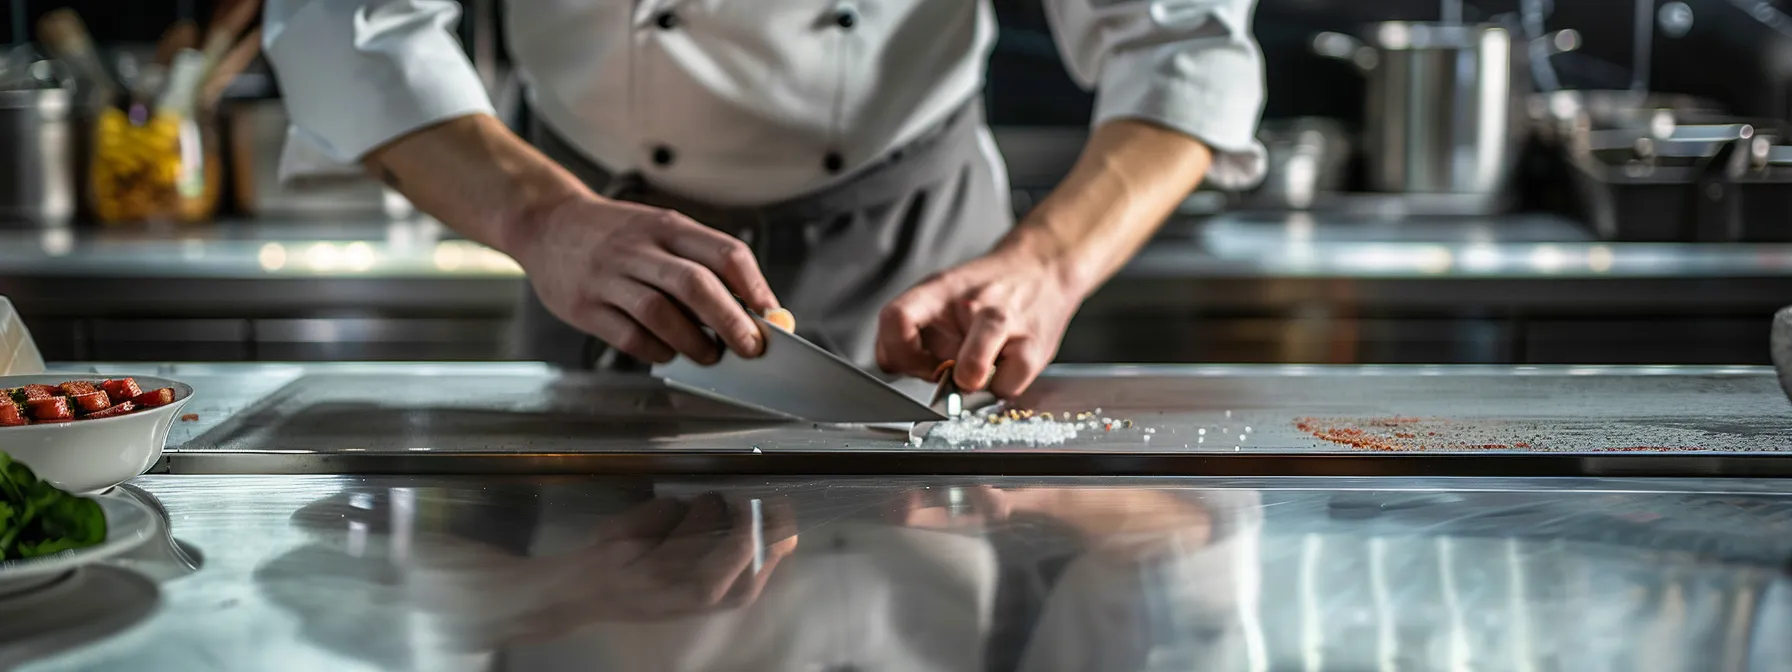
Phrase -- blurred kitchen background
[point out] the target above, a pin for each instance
(1511, 181)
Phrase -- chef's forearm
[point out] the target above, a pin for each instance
(1131, 175)
(477, 177)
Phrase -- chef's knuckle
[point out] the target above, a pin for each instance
(705, 592)
(667, 220)
(900, 314)
(1030, 360)
(994, 315)
(633, 341)
(735, 258)
(650, 306)
(683, 279)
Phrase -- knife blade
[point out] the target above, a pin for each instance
(798, 379)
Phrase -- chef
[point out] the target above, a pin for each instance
(686, 161)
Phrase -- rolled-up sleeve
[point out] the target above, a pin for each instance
(1190, 65)
(357, 74)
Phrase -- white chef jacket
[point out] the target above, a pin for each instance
(746, 102)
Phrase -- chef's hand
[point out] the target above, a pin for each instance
(1005, 313)
(644, 279)
(1000, 316)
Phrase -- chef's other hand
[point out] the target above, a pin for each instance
(1001, 316)
(644, 279)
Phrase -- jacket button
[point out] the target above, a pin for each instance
(833, 162)
(662, 155)
(846, 18)
(666, 20)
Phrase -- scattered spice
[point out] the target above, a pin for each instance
(189, 417)
(1389, 434)
(1429, 434)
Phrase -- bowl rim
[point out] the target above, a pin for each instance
(182, 393)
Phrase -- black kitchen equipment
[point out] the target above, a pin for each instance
(1651, 177)
(1781, 344)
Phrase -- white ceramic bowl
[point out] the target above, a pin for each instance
(92, 455)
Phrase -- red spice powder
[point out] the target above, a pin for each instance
(1390, 434)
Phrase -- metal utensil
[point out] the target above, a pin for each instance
(63, 33)
(1782, 348)
(37, 168)
(1444, 110)
(794, 378)
(211, 89)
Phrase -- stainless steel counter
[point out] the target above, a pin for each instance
(478, 517)
(1192, 420)
(993, 573)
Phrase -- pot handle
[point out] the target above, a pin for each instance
(1346, 48)
(1556, 42)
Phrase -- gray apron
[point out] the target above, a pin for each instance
(834, 257)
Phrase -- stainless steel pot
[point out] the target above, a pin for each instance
(37, 162)
(1445, 111)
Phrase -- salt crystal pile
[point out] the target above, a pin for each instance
(1016, 427)
(970, 429)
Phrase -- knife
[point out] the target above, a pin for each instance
(796, 379)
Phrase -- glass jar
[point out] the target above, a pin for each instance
(150, 167)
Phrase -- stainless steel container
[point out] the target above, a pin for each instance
(1444, 110)
(37, 157)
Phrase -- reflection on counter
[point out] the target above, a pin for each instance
(968, 574)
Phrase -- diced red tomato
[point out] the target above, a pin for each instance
(51, 409)
(76, 388)
(123, 388)
(10, 415)
(35, 392)
(122, 408)
(92, 401)
(157, 397)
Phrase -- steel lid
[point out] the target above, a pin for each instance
(52, 103)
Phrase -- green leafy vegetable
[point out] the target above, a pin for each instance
(38, 519)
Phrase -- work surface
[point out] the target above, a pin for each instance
(450, 517)
(551, 573)
(1191, 420)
